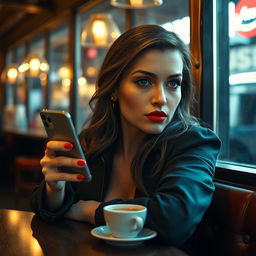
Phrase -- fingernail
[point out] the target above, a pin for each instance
(68, 145)
(81, 162)
(80, 177)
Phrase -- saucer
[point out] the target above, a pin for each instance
(104, 233)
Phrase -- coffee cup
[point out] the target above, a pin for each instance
(125, 220)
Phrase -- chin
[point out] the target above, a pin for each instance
(154, 130)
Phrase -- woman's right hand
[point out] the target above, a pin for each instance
(51, 163)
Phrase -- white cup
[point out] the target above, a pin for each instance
(125, 220)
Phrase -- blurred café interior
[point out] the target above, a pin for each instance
(51, 51)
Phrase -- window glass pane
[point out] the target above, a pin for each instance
(9, 87)
(21, 96)
(172, 15)
(8, 116)
(90, 59)
(238, 131)
(59, 75)
(34, 84)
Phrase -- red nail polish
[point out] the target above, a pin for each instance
(68, 145)
(81, 162)
(80, 177)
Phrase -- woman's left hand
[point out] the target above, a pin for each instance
(83, 211)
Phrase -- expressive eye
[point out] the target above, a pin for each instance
(173, 84)
(143, 82)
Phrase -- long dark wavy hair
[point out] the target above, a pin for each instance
(104, 128)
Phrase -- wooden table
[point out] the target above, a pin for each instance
(24, 234)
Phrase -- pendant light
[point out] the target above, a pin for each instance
(33, 66)
(65, 76)
(99, 31)
(10, 74)
(136, 4)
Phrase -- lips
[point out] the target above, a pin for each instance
(156, 116)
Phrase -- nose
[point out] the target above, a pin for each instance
(159, 96)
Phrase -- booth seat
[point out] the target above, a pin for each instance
(229, 226)
(27, 173)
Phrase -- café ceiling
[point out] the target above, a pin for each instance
(15, 15)
(12, 13)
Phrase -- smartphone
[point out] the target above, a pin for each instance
(59, 126)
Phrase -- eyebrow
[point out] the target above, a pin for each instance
(154, 75)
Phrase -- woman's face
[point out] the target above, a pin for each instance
(150, 92)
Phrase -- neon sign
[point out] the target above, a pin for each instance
(246, 18)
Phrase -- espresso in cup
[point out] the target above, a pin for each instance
(126, 209)
(125, 220)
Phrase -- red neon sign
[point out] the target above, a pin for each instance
(246, 18)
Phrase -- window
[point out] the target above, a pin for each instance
(21, 95)
(35, 96)
(235, 83)
(9, 108)
(242, 82)
(90, 59)
(172, 15)
(9, 87)
(59, 74)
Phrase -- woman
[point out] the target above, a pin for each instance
(143, 145)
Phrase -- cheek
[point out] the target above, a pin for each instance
(175, 100)
(178, 99)
(130, 101)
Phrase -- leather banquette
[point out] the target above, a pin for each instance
(229, 225)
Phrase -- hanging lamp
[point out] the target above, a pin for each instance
(136, 4)
(10, 74)
(99, 31)
(33, 65)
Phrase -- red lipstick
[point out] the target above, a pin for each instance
(156, 116)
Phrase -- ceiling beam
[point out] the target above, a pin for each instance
(25, 7)
(11, 21)
(33, 24)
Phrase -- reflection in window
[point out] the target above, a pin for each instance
(59, 75)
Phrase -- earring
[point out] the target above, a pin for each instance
(113, 100)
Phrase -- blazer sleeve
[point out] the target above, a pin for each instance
(184, 190)
(38, 206)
